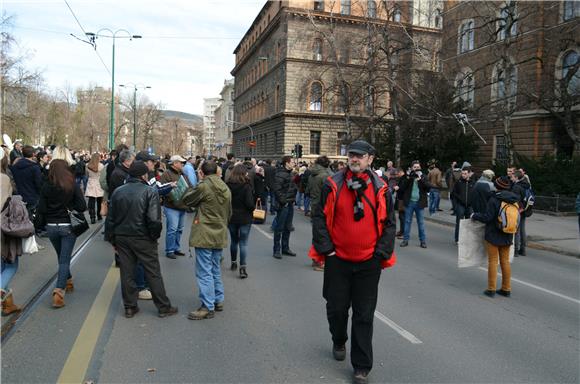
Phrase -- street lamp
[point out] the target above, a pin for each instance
(93, 37)
(251, 132)
(135, 87)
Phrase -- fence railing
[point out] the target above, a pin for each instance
(556, 203)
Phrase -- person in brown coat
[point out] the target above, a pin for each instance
(434, 178)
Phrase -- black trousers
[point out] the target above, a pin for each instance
(92, 211)
(130, 250)
(349, 284)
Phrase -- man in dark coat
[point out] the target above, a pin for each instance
(462, 196)
(121, 172)
(482, 191)
(28, 178)
(16, 152)
(285, 191)
(414, 188)
(520, 186)
(269, 176)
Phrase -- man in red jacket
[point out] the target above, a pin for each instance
(353, 231)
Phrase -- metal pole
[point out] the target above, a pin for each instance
(135, 117)
(112, 127)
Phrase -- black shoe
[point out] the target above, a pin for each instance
(130, 312)
(219, 307)
(423, 244)
(179, 253)
(99, 218)
(404, 243)
(243, 273)
(277, 255)
(234, 265)
(171, 256)
(522, 252)
(93, 221)
(489, 293)
(503, 293)
(339, 352)
(292, 229)
(168, 312)
(288, 253)
(360, 376)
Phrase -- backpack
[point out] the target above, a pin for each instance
(529, 199)
(15, 220)
(508, 217)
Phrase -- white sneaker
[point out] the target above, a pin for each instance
(145, 295)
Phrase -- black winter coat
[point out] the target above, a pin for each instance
(520, 189)
(134, 211)
(269, 175)
(493, 234)
(406, 189)
(54, 204)
(462, 192)
(242, 203)
(118, 177)
(284, 189)
(28, 179)
(480, 195)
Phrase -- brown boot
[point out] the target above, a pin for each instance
(58, 298)
(8, 305)
(69, 286)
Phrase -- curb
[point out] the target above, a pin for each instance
(531, 244)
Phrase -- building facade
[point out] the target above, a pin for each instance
(515, 67)
(209, 107)
(319, 73)
(224, 120)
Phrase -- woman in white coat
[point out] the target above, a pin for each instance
(94, 191)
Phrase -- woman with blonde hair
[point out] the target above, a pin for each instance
(94, 191)
(62, 153)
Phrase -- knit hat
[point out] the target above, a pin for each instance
(138, 169)
(488, 174)
(503, 182)
(466, 164)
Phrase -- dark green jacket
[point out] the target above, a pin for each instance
(318, 176)
(213, 201)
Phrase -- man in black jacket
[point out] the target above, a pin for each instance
(414, 188)
(28, 178)
(133, 226)
(520, 187)
(269, 177)
(121, 172)
(285, 192)
(462, 195)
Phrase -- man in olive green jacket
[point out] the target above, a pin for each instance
(209, 235)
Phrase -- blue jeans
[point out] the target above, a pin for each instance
(84, 180)
(299, 199)
(434, 198)
(174, 229)
(460, 213)
(414, 206)
(306, 203)
(8, 272)
(272, 202)
(239, 233)
(209, 278)
(282, 228)
(63, 241)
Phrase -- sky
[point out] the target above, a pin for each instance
(184, 55)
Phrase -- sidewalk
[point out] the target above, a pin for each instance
(37, 269)
(546, 232)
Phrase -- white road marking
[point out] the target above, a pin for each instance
(540, 288)
(269, 236)
(403, 332)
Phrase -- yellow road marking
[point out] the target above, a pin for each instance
(77, 363)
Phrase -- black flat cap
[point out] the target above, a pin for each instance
(138, 169)
(361, 147)
(145, 156)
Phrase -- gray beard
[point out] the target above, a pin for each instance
(355, 168)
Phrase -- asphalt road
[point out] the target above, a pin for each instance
(433, 324)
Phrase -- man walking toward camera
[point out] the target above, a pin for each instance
(285, 195)
(414, 187)
(353, 201)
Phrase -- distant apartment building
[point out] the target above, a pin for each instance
(224, 120)
(310, 72)
(209, 107)
(515, 66)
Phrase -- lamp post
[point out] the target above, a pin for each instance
(135, 88)
(251, 131)
(93, 37)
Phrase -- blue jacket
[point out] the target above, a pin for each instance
(493, 234)
(28, 180)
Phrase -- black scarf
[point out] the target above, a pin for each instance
(358, 185)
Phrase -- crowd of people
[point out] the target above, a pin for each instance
(140, 193)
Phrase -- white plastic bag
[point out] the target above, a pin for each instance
(29, 245)
(471, 247)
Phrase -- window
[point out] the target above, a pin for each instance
(465, 88)
(507, 24)
(571, 9)
(279, 52)
(315, 97)
(500, 152)
(344, 97)
(314, 142)
(344, 54)
(397, 15)
(466, 36)
(372, 8)
(319, 5)
(341, 144)
(317, 48)
(345, 7)
(571, 62)
(438, 18)
(277, 99)
(504, 84)
(370, 100)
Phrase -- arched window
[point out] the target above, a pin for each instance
(571, 62)
(438, 18)
(504, 84)
(466, 35)
(465, 87)
(397, 15)
(370, 100)
(507, 23)
(571, 9)
(344, 97)
(277, 99)
(315, 97)
(372, 8)
(317, 49)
